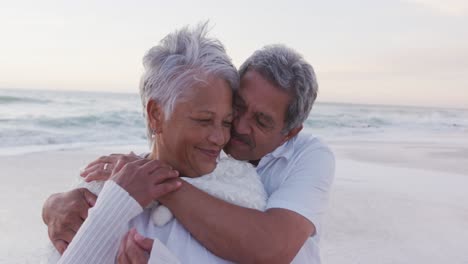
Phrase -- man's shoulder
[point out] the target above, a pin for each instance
(306, 142)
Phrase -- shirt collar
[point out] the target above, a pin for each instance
(286, 150)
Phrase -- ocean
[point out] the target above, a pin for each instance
(33, 120)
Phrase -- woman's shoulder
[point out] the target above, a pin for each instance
(228, 164)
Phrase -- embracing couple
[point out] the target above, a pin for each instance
(196, 104)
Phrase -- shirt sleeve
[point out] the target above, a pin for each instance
(99, 237)
(307, 187)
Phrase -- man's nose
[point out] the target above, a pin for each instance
(241, 125)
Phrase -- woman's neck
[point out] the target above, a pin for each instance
(157, 154)
(154, 154)
(161, 153)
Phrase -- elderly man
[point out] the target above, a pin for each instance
(277, 91)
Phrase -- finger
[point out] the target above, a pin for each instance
(133, 165)
(66, 235)
(112, 158)
(134, 253)
(60, 245)
(89, 197)
(143, 242)
(120, 164)
(138, 163)
(153, 165)
(130, 168)
(164, 188)
(163, 174)
(98, 173)
(122, 256)
(102, 159)
(89, 169)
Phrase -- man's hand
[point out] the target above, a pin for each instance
(134, 248)
(104, 167)
(64, 213)
(147, 180)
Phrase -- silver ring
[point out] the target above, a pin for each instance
(105, 166)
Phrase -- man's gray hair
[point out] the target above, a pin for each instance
(182, 59)
(288, 70)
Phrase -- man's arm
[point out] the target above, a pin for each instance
(293, 214)
(239, 234)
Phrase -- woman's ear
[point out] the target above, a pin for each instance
(155, 116)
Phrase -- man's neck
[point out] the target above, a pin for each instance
(254, 162)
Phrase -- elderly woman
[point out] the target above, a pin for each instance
(186, 92)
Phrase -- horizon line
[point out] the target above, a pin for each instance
(316, 102)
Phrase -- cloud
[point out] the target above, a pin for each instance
(445, 7)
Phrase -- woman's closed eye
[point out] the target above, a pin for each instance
(204, 121)
(227, 123)
(210, 121)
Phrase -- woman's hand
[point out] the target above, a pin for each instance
(104, 167)
(147, 180)
(134, 249)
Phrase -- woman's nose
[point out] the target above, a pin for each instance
(218, 136)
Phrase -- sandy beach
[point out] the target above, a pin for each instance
(397, 202)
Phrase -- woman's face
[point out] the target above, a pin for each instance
(197, 130)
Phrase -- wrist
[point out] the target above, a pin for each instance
(173, 196)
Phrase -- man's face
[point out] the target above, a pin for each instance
(260, 109)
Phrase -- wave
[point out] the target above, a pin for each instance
(69, 118)
(35, 136)
(5, 99)
(112, 119)
(373, 117)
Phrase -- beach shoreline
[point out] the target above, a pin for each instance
(424, 155)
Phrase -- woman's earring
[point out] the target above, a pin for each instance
(153, 133)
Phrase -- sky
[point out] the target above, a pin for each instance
(409, 52)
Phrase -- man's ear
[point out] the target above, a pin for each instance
(155, 116)
(292, 133)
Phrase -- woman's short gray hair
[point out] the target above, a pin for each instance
(181, 60)
(288, 70)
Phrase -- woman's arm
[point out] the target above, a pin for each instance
(122, 198)
(98, 239)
